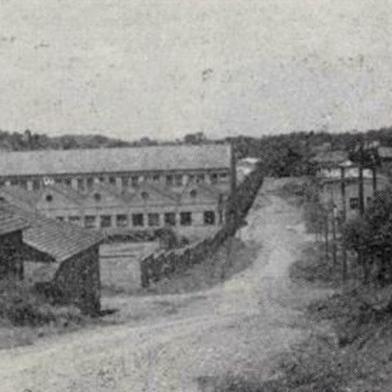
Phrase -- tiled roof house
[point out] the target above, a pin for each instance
(73, 250)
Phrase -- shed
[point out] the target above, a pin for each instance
(71, 256)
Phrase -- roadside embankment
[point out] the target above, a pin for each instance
(355, 351)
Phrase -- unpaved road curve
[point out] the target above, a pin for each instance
(236, 327)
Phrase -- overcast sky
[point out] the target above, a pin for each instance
(163, 68)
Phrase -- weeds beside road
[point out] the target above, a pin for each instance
(359, 351)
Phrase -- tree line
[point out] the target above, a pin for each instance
(290, 154)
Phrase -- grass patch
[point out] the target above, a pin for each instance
(25, 315)
(297, 371)
(315, 269)
(360, 318)
(226, 262)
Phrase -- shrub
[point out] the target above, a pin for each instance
(23, 306)
(370, 236)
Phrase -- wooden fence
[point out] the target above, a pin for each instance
(164, 263)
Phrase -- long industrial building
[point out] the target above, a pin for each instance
(168, 165)
(121, 189)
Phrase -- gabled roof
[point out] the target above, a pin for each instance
(104, 160)
(29, 199)
(106, 189)
(10, 222)
(385, 152)
(159, 191)
(65, 190)
(203, 191)
(59, 240)
(248, 161)
(330, 157)
(20, 196)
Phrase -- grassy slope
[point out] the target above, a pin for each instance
(360, 357)
(209, 272)
(26, 316)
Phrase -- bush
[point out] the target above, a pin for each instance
(370, 237)
(23, 306)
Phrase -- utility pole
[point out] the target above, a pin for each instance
(233, 184)
(374, 178)
(361, 260)
(334, 249)
(332, 209)
(344, 213)
(360, 178)
(326, 232)
(343, 192)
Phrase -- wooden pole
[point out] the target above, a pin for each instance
(360, 179)
(334, 250)
(361, 260)
(374, 177)
(343, 193)
(344, 213)
(332, 210)
(233, 184)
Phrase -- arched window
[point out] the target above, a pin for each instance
(97, 197)
(49, 198)
(193, 193)
(145, 195)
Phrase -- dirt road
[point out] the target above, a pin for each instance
(237, 327)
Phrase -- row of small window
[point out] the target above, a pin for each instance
(144, 195)
(87, 183)
(138, 220)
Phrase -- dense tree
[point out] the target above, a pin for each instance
(195, 138)
(290, 154)
(34, 141)
(370, 236)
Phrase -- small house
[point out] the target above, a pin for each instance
(61, 260)
(331, 192)
(327, 163)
